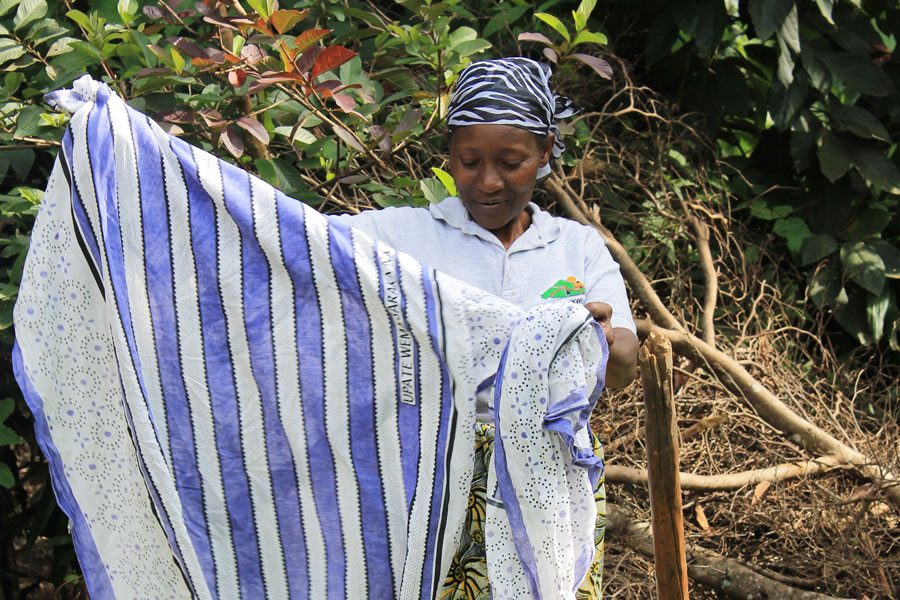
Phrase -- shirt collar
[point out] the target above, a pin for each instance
(543, 229)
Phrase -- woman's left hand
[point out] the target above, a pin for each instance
(622, 366)
(602, 313)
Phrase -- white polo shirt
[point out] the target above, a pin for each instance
(555, 259)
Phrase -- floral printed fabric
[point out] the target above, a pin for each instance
(467, 579)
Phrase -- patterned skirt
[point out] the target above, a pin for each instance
(467, 579)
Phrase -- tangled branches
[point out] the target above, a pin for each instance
(787, 470)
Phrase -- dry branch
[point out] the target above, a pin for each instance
(730, 481)
(775, 412)
(723, 574)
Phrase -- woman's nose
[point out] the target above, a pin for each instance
(491, 181)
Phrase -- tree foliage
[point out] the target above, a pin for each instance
(341, 103)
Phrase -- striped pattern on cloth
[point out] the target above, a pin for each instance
(239, 398)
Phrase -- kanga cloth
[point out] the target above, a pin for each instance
(241, 399)
(467, 578)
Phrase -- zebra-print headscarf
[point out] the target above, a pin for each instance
(510, 91)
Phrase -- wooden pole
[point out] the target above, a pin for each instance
(655, 358)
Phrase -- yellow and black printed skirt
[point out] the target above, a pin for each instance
(467, 579)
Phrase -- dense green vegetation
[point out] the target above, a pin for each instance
(779, 116)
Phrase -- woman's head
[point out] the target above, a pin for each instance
(502, 123)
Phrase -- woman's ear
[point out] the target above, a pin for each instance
(547, 148)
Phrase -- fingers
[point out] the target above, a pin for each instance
(602, 313)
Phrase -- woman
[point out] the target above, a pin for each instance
(502, 133)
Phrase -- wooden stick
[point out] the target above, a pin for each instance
(655, 357)
(730, 578)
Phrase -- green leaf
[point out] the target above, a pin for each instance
(834, 158)
(584, 10)
(711, 22)
(761, 210)
(825, 7)
(504, 18)
(877, 168)
(43, 31)
(863, 264)
(876, 309)
(768, 15)
(282, 175)
(794, 230)
(589, 37)
(858, 73)
(82, 19)
(10, 50)
(433, 189)
(826, 287)
(28, 11)
(7, 435)
(463, 34)
(859, 121)
(7, 5)
(816, 247)
(890, 255)
(7, 406)
(472, 47)
(446, 179)
(128, 10)
(852, 317)
(555, 24)
(865, 224)
(6, 477)
(786, 102)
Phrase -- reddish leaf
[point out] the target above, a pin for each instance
(331, 58)
(411, 118)
(287, 56)
(179, 115)
(188, 47)
(598, 64)
(350, 179)
(330, 85)
(309, 37)
(237, 77)
(148, 71)
(252, 53)
(261, 26)
(533, 36)
(153, 29)
(347, 103)
(155, 12)
(348, 138)
(309, 56)
(550, 54)
(264, 82)
(211, 116)
(255, 128)
(232, 141)
(384, 140)
(215, 55)
(284, 20)
(201, 62)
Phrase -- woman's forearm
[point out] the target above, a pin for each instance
(622, 366)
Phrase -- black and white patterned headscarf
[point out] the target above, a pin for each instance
(510, 91)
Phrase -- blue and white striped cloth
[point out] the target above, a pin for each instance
(241, 399)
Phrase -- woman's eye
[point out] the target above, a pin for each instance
(512, 164)
(468, 163)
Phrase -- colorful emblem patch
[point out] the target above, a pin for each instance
(564, 288)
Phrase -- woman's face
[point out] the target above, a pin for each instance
(495, 168)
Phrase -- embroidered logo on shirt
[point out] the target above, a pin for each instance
(564, 288)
